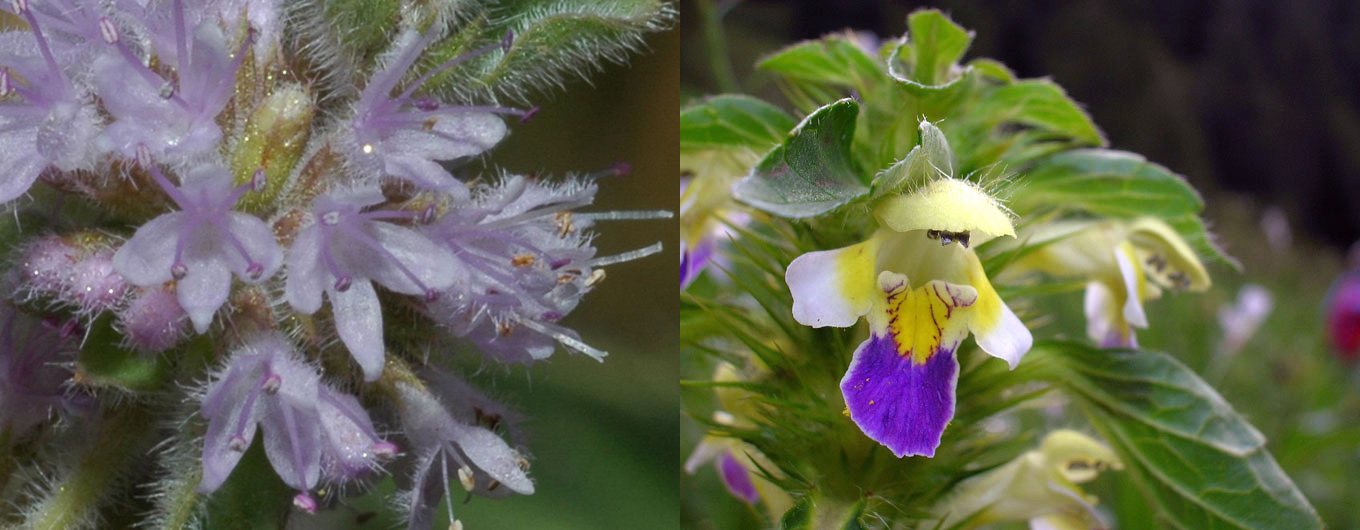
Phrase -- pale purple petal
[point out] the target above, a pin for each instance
(292, 440)
(358, 321)
(145, 259)
(306, 281)
(424, 173)
(453, 136)
(225, 406)
(493, 456)
(432, 264)
(258, 240)
(203, 291)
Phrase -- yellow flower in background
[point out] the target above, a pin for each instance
(1125, 263)
(922, 290)
(1039, 486)
(705, 202)
(738, 463)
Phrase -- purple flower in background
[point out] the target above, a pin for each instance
(347, 249)
(1343, 317)
(405, 137)
(735, 475)
(474, 456)
(173, 117)
(265, 385)
(350, 446)
(47, 120)
(34, 368)
(201, 245)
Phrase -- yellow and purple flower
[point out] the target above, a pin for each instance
(922, 295)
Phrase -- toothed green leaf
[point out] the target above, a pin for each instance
(732, 121)
(833, 60)
(812, 171)
(1197, 462)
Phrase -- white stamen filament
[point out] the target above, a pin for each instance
(627, 256)
(625, 215)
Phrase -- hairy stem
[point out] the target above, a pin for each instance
(74, 500)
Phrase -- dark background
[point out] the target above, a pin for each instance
(1255, 97)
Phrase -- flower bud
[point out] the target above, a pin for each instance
(275, 136)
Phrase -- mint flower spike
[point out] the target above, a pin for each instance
(405, 137)
(201, 245)
(47, 120)
(173, 117)
(476, 457)
(345, 251)
(265, 386)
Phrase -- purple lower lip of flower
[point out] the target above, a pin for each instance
(898, 402)
(737, 478)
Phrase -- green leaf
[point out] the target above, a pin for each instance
(732, 121)
(555, 40)
(1038, 103)
(938, 43)
(1117, 184)
(103, 363)
(832, 60)
(1198, 463)
(812, 171)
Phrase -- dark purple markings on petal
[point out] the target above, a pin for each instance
(737, 478)
(898, 403)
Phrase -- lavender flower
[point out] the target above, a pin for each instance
(479, 459)
(201, 245)
(50, 120)
(174, 117)
(527, 261)
(265, 385)
(347, 249)
(405, 137)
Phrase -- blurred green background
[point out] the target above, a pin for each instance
(1253, 102)
(602, 436)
